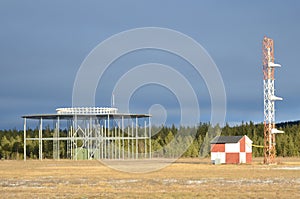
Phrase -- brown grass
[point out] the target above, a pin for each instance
(186, 178)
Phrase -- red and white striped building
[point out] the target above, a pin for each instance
(231, 150)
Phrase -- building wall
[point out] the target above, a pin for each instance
(248, 145)
(232, 158)
(232, 147)
(243, 157)
(242, 144)
(218, 155)
(217, 148)
(248, 157)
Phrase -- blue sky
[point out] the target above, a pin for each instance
(43, 43)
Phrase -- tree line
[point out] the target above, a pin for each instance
(166, 141)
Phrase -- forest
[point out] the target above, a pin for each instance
(166, 141)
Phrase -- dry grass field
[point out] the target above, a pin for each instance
(186, 178)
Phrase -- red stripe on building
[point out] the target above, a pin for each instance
(242, 144)
(248, 157)
(232, 158)
(218, 148)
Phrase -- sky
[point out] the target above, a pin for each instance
(44, 43)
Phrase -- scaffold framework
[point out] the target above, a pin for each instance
(94, 133)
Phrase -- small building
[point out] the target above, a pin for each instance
(231, 150)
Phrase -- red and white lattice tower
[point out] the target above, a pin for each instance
(269, 101)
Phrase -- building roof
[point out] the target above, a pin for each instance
(72, 116)
(85, 112)
(226, 139)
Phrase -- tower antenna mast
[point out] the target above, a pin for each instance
(269, 101)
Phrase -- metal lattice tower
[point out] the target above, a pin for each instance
(269, 101)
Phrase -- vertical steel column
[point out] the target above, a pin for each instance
(68, 139)
(136, 138)
(40, 139)
(58, 148)
(145, 139)
(55, 140)
(115, 142)
(128, 131)
(24, 138)
(150, 148)
(108, 130)
(123, 147)
(112, 142)
(72, 141)
(86, 138)
(104, 139)
(91, 140)
(87, 135)
(98, 138)
(76, 134)
(119, 140)
(132, 143)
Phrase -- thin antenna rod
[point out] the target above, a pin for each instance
(113, 101)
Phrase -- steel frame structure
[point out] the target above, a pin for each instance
(269, 100)
(102, 133)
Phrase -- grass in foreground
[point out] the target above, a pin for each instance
(186, 178)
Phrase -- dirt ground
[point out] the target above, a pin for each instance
(185, 178)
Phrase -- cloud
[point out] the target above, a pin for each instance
(44, 43)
